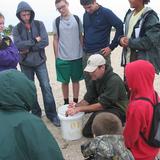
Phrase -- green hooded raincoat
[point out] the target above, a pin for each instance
(23, 136)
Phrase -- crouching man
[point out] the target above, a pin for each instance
(106, 93)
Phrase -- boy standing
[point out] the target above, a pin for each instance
(67, 45)
(97, 23)
(31, 38)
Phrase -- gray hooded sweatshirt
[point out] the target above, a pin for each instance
(24, 39)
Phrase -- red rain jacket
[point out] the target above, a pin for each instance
(140, 77)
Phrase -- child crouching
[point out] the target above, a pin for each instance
(108, 143)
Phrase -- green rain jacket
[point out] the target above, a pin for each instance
(109, 91)
(23, 136)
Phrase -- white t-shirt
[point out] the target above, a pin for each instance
(132, 22)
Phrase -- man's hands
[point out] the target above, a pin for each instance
(124, 41)
(72, 109)
(106, 51)
(38, 39)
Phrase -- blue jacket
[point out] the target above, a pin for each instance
(9, 57)
(34, 54)
(97, 29)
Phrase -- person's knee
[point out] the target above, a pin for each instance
(87, 133)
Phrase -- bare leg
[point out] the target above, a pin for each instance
(75, 86)
(65, 90)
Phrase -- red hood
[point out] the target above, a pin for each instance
(140, 77)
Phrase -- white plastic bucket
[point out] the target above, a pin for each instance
(71, 126)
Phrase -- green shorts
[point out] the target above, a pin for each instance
(67, 70)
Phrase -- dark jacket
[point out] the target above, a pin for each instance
(9, 54)
(108, 91)
(97, 29)
(34, 54)
(144, 38)
(23, 136)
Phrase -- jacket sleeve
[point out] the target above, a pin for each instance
(144, 42)
(135, 120)
(118, 25)
(44, 37)
(111, 92)
(31, 43)
(19, 42)
(36, 141)
(9, 56)
(91, 94)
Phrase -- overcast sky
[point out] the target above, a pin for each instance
(45, 9)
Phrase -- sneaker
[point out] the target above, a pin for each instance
(56, 121)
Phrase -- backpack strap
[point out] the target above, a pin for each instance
(78, 21)
(58, 22)
(147, 99)
(153, 105)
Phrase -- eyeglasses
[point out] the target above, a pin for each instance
(61, 8)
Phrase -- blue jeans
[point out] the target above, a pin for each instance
(48, 99)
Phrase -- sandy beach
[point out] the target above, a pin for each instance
(71, 149)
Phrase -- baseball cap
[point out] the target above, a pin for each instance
(93, 62)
